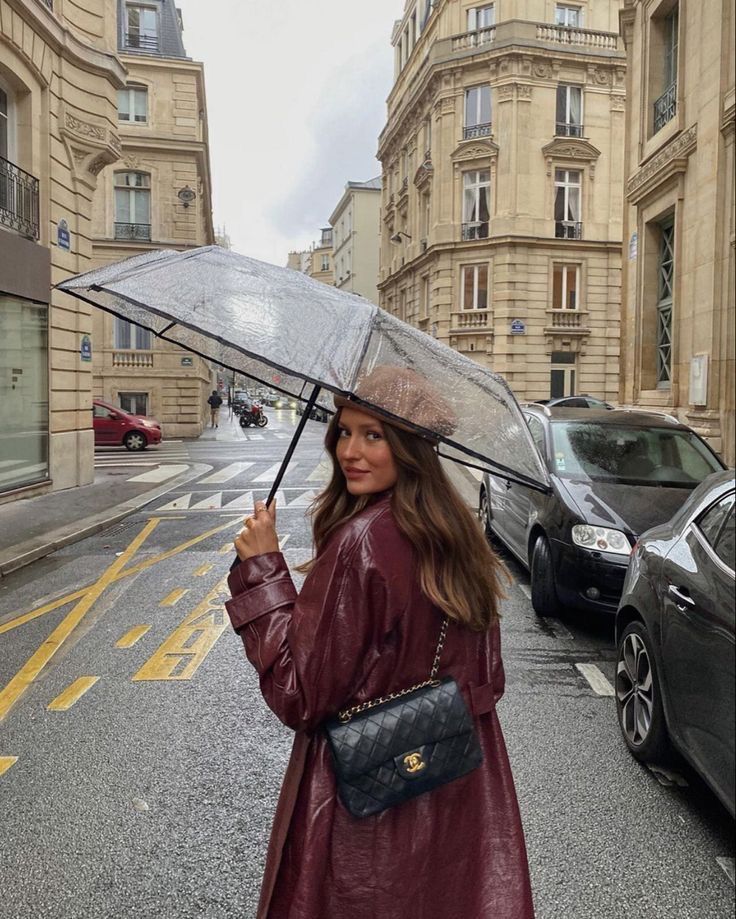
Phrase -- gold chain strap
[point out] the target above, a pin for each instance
(348, 713)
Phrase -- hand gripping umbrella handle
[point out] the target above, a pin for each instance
(289, 453)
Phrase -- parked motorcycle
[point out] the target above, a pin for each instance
(253, 417)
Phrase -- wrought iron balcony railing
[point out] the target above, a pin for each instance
(568, 229)
(136, 231)
(566, 129)
(18, 199)
(665, 107)
(475, 230)
(137, 42)
(477, 130)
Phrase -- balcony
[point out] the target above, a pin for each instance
(568, 229)
(477, 130)
(475, 39)
(569, 35)
(133, 231)
(463, 320)
(18, 199)
(132, 360)
(475, 230)
(563, 129)
(134, 41)
(567, 323)
(665, 107)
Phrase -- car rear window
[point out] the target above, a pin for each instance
(629, 455)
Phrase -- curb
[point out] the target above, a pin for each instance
(33, 549)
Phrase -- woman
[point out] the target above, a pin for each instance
(396, 548)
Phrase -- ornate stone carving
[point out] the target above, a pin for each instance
(423, 174)
(618, 103)
(90, 147)
(84, 128)
(542, 70)
(504, 92)
(668, 162)
(474, 150)
(571, 149)
(524, 91)
(597, 76)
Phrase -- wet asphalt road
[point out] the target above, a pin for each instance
(147, 790)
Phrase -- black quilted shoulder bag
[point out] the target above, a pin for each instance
(402, 745)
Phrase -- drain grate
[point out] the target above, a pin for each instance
(119, 528)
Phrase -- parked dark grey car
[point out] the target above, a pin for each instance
(676, 658)
(614, 474)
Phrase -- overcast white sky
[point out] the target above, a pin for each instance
(296, 97)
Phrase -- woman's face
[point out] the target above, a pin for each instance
(364, 454)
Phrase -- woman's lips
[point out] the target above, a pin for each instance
(355, 473)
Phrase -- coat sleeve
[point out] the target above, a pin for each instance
(310, 649)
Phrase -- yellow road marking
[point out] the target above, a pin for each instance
(227, 548)
(141, 566)
(174, 596)
(185, 649)
(6, 762)
(64, 701)
(202, 570)
(38, 660)
(131, 637)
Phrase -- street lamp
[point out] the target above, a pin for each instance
(396, 238)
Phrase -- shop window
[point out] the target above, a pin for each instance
(134, 402)
(24, 407)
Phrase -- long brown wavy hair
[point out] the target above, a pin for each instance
(458, 570)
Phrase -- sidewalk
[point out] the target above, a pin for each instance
(34, 527)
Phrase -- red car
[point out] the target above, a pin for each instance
(114, 427)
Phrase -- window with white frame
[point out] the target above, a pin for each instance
(133, 104)
(325, 263)
(568, 191)
(141, 27)
(474, 287)
(570, 16)
(565, 287)
(569, 117)
(665, 299)
(476, 203)
(4, 124)
(132, 205)
(127, 336)
(477, 112)
(481, 17)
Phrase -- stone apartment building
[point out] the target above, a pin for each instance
(356, 238)
(502, 205)
(317, 261)
(157, 196)
(59, 79)
(678, 312)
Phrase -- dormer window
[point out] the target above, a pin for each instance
(133, 104)
(141, 27)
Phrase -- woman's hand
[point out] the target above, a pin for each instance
(258, 535)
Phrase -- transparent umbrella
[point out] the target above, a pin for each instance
(312, 341)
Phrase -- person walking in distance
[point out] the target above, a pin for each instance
(214, 402)
(398, 559)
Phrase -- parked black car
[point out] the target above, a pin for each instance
(676, 658)
(614, 474)
(581, 401)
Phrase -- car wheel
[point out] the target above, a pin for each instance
(134, 440)
(544, 590)
(484, 514)
(638, 696)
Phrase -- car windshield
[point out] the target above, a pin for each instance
(630, 455)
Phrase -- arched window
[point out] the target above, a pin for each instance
(132, 205)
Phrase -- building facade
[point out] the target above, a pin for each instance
(356, 238)
(59, 79)
(680, 227)
(158, 196)
(502, 187)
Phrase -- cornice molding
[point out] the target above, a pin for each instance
(670, 161)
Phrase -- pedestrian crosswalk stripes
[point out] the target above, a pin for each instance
(225, 474)
(299, 499)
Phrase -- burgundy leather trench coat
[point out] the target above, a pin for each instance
(361, 628)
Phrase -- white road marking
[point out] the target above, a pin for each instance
(598, 682)
(178, 504)
(160, 474)
(321, 473)
(727, 864)
(255, 437)
(210, 503)
(270, 474)
(225, 474)
(525, 589)
(303, 500)
(242, 502)
(559, 628)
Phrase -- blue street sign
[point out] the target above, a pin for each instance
(63, 236)
(85, 348)
(518, 327)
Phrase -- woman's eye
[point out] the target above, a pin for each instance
(373, 435)
(342, 432)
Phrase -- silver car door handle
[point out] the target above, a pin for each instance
(682, 600)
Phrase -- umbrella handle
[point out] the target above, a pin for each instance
(289, 453)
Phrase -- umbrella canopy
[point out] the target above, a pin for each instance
(286, 330)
